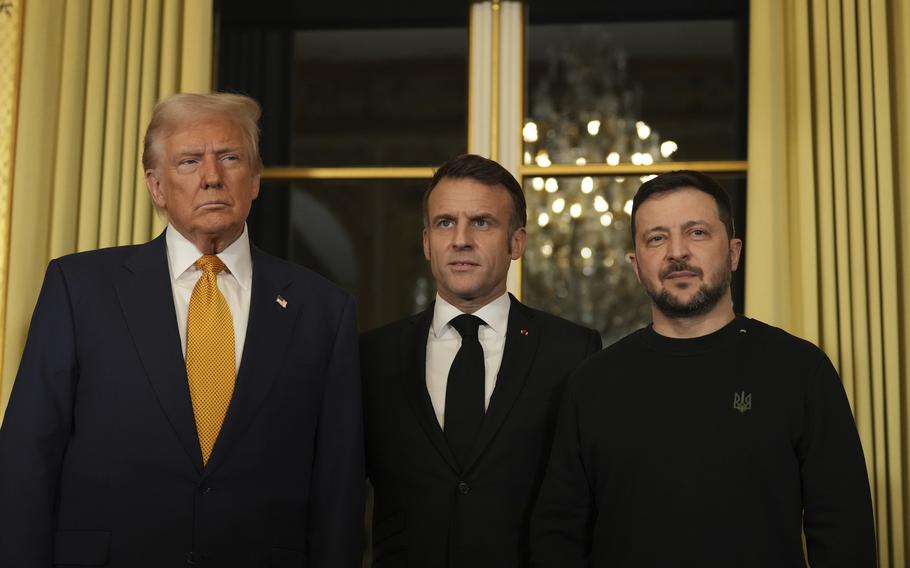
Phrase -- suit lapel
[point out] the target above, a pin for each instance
(268, 334)
(414, 357)
(144, 290)
(522, 337)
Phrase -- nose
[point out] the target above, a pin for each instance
(677, 248)
(462, 236)
(212, 177)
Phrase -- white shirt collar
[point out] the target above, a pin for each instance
(183, 254)
(495, 315)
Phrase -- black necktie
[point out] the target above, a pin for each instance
(464, 390)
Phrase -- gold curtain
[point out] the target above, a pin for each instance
(91, 72)
(828, 241)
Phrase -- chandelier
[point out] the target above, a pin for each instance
(584, 111)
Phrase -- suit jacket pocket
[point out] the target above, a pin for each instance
(82, 548)
(286, 558)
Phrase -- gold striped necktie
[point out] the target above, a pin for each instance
(210, 363)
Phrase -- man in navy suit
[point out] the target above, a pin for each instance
(191, 400)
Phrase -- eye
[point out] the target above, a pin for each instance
(654, 239)
(482, 222)
(231, 158)
(187, 165)
(699, 233)
(445, 223)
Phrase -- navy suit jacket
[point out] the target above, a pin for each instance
(430, 511)
(99, 459)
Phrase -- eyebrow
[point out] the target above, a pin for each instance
(481, 215)
(471, 216)
(191, 150)
(686, 225)
(225, 149)
(200, 150)
(655, 229)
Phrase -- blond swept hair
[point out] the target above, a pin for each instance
(180, 108)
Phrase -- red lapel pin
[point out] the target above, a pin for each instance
(523, 331)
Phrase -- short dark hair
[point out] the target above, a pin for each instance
(487, 172)
(682, 179)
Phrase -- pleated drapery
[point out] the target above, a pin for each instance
(828, 243)
(91, 73)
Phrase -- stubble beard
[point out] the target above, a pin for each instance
(704, 300)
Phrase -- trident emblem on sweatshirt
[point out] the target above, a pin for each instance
(742, 401)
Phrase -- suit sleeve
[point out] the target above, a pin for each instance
(564, 513)
(337, 492)
(36, 429)
(837, 506)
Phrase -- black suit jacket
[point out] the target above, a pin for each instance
(427, 512)
(99, 459)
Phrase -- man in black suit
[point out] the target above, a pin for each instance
(461, 399)
(191, 400)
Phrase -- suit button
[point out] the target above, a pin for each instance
(205, 490)
(463, 488)
(191, 559)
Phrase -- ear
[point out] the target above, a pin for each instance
(736, 250)
(518, 241)
(157, 193)
(633, 260)
(426, 244)
(256, 180)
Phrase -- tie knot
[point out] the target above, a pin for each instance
(467, 324)
(209, 264)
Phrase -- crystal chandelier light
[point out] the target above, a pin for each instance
(585, 111)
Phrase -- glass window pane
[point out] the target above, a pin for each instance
(576, 263)
(363, 235)
(348, 84)
(639, 92)
(380, 97)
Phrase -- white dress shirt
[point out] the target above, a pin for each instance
(444, 341)
(235, 281)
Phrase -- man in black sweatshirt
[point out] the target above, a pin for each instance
(705, 439)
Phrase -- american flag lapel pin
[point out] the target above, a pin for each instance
(523, 331)
(281, 301)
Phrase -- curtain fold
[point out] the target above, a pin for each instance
(829, 203)
(10, 64)
(92, 71)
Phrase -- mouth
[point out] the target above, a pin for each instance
(212, 206)
(462, 265)
(680, 274)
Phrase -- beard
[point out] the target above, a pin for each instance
(702, 302)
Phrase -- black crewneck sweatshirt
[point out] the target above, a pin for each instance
(705, 452)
